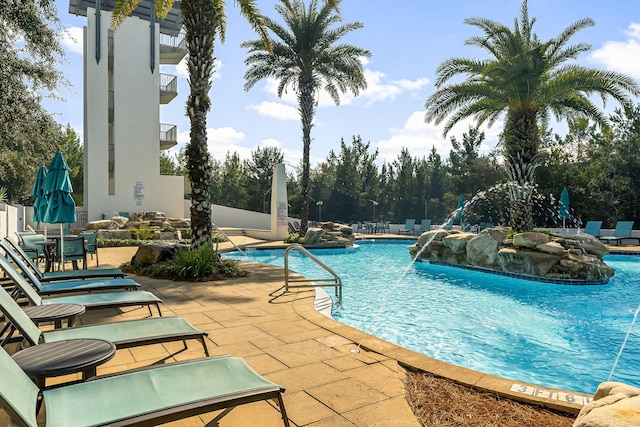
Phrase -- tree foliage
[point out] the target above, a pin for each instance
(308, 58)
(30, 52)
(527, 80)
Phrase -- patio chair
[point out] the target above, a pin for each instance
(91, 245)
(33, 251)
(409, 227)
(447, 224)
(126, 334)
(70, 286)
(425, 225)
(93, 300)
(74, 251)
(9, 245)
(622, 231)
(146, 396)
(593, 228)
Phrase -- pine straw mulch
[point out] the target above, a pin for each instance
(438, 402)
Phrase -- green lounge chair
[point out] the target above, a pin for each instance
(146, 396)
(593, 228)
(409, 227)
(93, 300)
(96, 273)
(127, 334)
(448, 224)
(622, 231)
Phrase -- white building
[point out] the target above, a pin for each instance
(123, 90)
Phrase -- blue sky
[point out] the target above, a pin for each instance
(408, 39)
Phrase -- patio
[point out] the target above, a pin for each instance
(326, 384)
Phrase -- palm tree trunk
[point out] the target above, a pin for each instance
(521, 141)
(198, 18)
(306, 106)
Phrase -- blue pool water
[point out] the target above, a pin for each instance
(547, 334)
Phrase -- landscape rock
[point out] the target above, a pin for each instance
(528, 254)
(482, 250)
(154, 252)
(614, 405)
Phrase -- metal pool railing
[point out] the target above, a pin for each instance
(334, 281)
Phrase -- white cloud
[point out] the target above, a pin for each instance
(276, 110)
(378, 90)
(621, 56)
(419, 137)
(72, 40)
(224, 135)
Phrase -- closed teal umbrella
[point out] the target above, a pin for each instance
(40, 202)
(61, 209)
(563, 206)
(460, 209)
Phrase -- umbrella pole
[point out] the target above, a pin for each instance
(61, 247)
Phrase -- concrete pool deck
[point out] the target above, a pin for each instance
(290, 343)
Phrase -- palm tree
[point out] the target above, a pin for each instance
(529, 80)
(204, 22)
(307, 58)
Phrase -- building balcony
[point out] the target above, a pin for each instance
(168, 88)
(168, 136)
(172, 49)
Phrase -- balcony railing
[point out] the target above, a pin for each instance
(168, 88)
(168, 136)
(172, 49)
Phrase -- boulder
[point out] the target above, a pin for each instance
(591, 244)
(154, 252)
(313, 236)
(528, 262)
(529, 239)
(429, 236)
(613, 405)
(102, 224)
(482, 250)
(457, 242)
(553, 248)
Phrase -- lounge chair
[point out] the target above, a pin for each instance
(8, 244)
(593, 228)
(409, 227)
(93, 300)
(622, 231)
(425, 225)
(146, 396)
(73, 286)
(127, 334)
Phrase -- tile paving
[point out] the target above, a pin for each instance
(288, 342)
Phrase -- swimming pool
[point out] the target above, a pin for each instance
(551, 335)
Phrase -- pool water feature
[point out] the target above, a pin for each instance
(547, 334)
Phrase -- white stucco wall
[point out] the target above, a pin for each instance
(136, 123)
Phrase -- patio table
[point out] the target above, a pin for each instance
(60, 358)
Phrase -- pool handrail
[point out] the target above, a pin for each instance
(334, 281)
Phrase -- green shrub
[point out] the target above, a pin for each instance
(194, 263)
(144, 232)
(293, 238)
